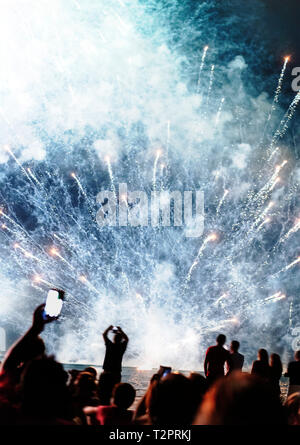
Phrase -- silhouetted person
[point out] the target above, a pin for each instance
(293, 373)
(45, 398)
(215, 359)
(106, 384)
(171, 401)
(261, 367)
(114, 352)
(236, 359)
(91, 370)
(275, 372)
(116, 414)
(28, 347)
(141, 407)
(200, 385)
(84, 394)
(241, 399)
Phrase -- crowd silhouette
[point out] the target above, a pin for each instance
(36, 390)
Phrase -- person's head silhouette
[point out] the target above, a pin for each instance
(172, 400)
(44, 391)
(221, 339)
(241, 399)
(275, 360)
(263, 355)
(117, 339)
(234, 347)
(123, 395)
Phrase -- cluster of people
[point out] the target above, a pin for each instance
(35, 389)
(218, 359)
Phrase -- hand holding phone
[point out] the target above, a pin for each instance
(164, 370)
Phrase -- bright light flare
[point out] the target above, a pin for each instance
(211, 237)
(53, 251)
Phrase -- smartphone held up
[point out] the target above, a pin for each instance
(54, 303)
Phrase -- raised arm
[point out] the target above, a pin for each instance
(25, 346)
(105, 333)
(125, 338)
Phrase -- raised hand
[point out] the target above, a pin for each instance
(39, 321)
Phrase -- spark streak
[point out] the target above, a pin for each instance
(26, 253)
(262, 215)
(292, 264)
(39, 279)
(279, 86)
(266, 221)
(289, 266)
(211, 237)
(7, 148)
(201, 67)
(222, 200)
(219, 110)
(33, 176)
(290, 232)
(73, 175)
(221, 298)
(84, 280)
(55, 253)
(283, 126)
(211, 81)
(107, 160)
(275, 296)
(158, 153)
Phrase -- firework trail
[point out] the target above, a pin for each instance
(290, 232)
(211, 81)
(201, 68)
(266, 221)
(262, 215)
(276, 97)
(284, 123)
(85, 281)
(55, 253)
(219, 110)
(33, 176)
(289, 266)
(6, 148)
(26, 253)
(278, 296)
(279, 86)
(211, 237)
(39, 279)
(112, 180)
(158, 153)
(221, 298)
(73, 175)
(222, 201)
